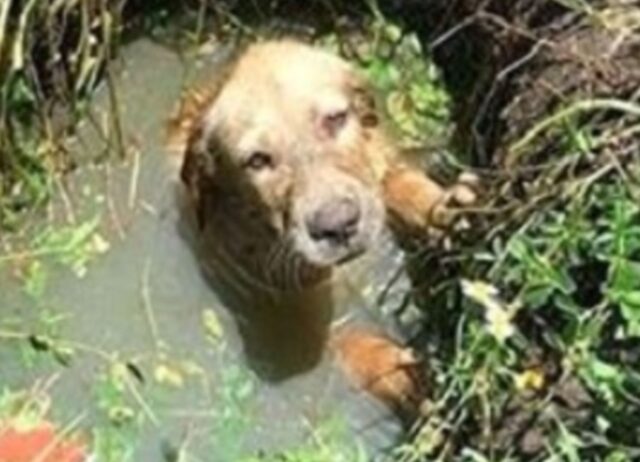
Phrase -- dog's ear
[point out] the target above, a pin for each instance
(198, 97)
(190, 142)
(189, 145)
(185, 126)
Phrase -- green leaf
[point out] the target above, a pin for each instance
(630, 309)
(212, 326)
(603, 377)
(617, 455)
(540, 271)
(624, 275)
(35, 279)
(536, 296)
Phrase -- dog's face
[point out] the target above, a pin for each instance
(292, 137)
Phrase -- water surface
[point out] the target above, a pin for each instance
(140, 303)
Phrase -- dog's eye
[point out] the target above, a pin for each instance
(259, 160)
(335, 121)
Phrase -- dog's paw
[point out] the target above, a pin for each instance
(448, 213)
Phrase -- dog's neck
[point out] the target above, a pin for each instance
(251, 253)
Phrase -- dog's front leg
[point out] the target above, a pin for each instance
(415, 202)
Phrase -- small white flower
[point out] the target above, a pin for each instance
(478, 291)
(99, 244)
(499, 322)
(498, 315)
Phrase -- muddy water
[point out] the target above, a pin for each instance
(201, 380)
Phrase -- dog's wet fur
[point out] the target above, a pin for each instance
(290, 173)
(286, 161)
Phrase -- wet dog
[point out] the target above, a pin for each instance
(289, 168)
(290, 173)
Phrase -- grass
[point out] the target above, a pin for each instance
(550, 313)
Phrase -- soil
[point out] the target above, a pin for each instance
(510, 64)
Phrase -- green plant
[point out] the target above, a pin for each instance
(115, 436)
(233, 412)
(411, 90)
(327, 443)
(73, 247)
(559, 306)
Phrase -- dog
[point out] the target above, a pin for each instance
(290, 172)
(286, 161)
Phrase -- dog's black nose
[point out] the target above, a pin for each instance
(335, 221)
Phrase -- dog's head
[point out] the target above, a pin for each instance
(291, 134)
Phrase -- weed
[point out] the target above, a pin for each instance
(572, 272)
(233, 412)
(116, 433)
(411, 88)
(327, 443)
(72, 246)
